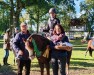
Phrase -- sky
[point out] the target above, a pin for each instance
(78, 13)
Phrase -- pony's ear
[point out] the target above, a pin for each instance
(28, 46)
(29, 38)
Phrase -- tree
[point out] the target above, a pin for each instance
(15, 8)
(66, 12)
(4, 16)
(38, 10)
(88, 7)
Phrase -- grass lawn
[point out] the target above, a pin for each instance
(80, 65)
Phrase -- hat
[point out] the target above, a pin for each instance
(23, 23)
(52, 10)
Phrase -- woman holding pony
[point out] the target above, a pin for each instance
(59, 55)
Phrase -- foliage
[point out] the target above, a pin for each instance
(4, 17)
(66, 12)
(88, 7)
(37, 11)
(10, 11)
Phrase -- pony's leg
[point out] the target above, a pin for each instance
(14, 61)
(42, 68)
(47, 65)
(90, 51)
(67, 69)
(86, 52)
(68, 61)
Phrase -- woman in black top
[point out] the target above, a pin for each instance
(58, 56)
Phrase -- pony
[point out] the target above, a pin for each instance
(90, 48)
(44, 53)
(42, 44)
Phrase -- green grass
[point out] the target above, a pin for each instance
(78, 60)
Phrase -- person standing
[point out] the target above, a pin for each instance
(52, 21)
(16, 31)
(20, 50)
(6, 46)
(58, 56)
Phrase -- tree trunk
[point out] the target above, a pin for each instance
(16, 22)
(17, 13)
(11, 12)
(38, 18)
(37, 27)
(11, 16)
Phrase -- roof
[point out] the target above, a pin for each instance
(77, 21)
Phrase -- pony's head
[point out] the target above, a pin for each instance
(42, 51)
(28, 44)
(37, 43)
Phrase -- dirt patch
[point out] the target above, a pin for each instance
(78, 71)
(72, 71)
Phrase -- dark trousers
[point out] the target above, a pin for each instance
(21, 63)
(90, 51)
(5, 59)
(6, 53)
(59, 62)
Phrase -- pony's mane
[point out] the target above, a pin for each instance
(40, 36)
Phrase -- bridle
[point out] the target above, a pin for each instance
(38, 53)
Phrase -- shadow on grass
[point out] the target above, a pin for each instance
(81, 45)
(76, 42)
(1, 40)
(81, 59)
(6, 70)
(77, 68)
(35, 66)
(80, 49)
(83, 64)
(1, 45)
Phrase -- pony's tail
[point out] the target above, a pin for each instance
(90, 51)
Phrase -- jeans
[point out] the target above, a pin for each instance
(59, 62)
(21, 63)
(6, 53)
